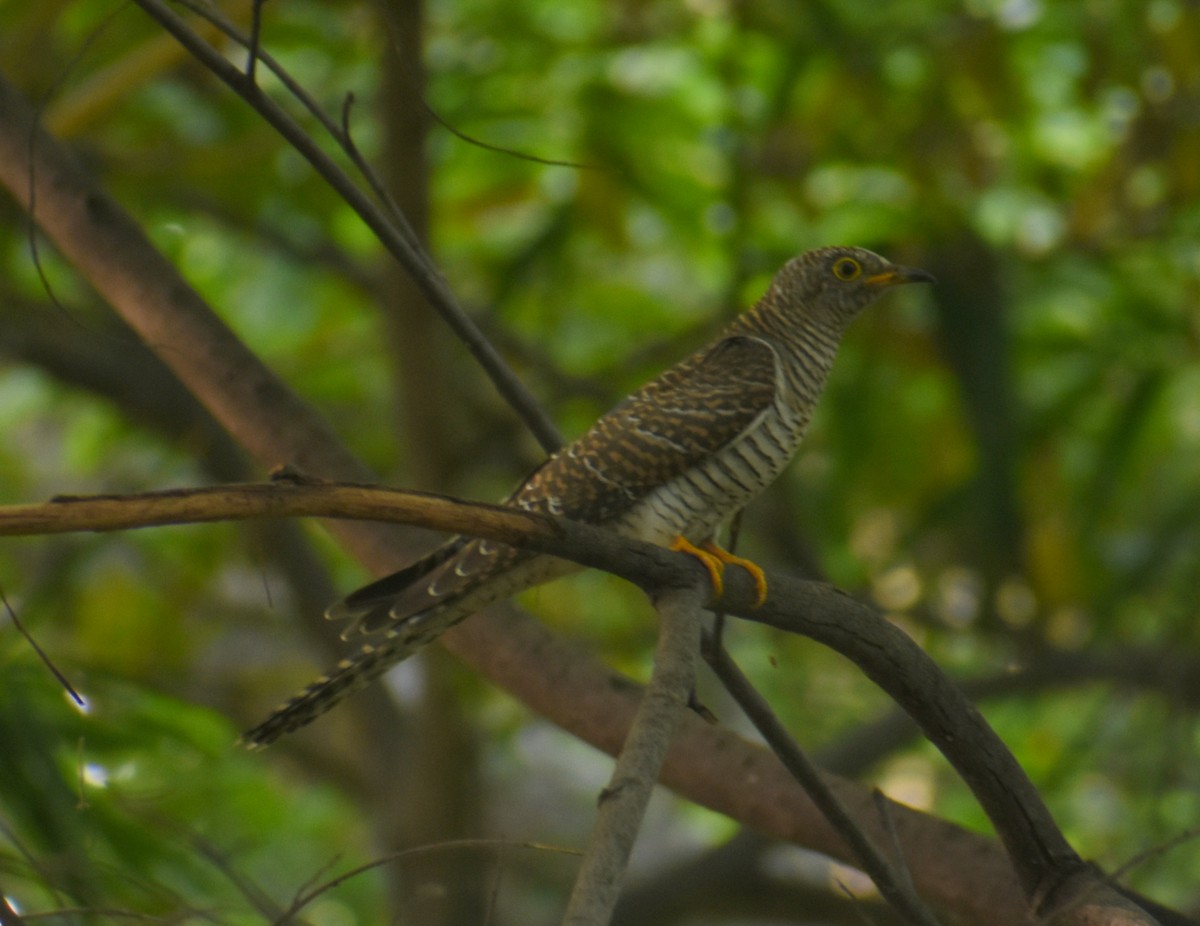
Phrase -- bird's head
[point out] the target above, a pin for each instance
(835, 284)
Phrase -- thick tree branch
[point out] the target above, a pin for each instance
(112, 252)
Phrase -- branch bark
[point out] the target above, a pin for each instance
(623, 802)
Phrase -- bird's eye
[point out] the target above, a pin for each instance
(846, 269)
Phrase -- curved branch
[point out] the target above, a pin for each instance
(1051, 874)
(889, 876)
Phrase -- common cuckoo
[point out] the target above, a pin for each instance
(669, 464)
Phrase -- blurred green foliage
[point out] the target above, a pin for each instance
(1008, 463)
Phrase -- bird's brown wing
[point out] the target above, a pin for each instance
(659, 432)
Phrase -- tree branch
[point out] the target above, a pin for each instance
(399, 239)
(112, 252)
(623, 802)
(895, 888)
(1052, 875)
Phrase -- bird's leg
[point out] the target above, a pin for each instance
(715, 559)
(732, 559)
(713, 563)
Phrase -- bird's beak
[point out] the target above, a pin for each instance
(896, 275)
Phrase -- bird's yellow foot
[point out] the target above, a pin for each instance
(756, 573)
(715, 559)
(713, 563)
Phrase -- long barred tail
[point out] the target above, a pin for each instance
(407, 632)
(348, 676)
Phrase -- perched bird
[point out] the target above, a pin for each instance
(669, 464)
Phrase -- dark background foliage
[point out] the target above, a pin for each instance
(1006, 463)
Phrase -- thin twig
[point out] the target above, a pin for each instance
(42, 870)
(31, 231)
(306, 896)
(401, 245)
(345, 137)
(894, 889)
(92, 912)
(1153, 852)
(493, 893)
(339, 132)
(623, 802)
(62, 679)
(884, 805)
(256, 896)
(500, 149)
(252, 46)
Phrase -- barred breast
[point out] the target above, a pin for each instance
(696, 503)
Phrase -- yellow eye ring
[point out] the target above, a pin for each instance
(846, 269)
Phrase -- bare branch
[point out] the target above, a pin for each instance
(1050, 871)
(499, 149)
(252, 46)
(895, 888)
(623, 802)
(399, 239)
(74, 914)
(46, 660)
(307, 894)
(1146, 855)
(280, 499)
